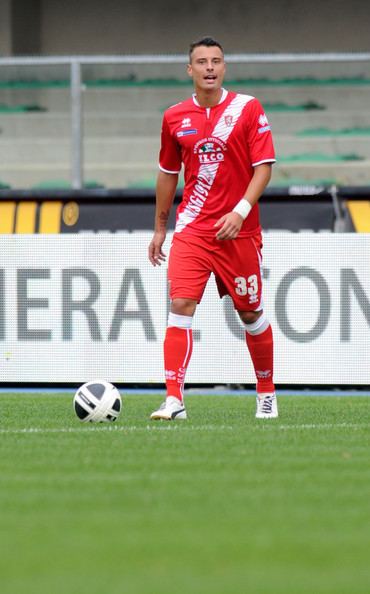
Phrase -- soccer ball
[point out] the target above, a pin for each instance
(97, 401)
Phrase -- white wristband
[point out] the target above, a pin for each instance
(243, 208)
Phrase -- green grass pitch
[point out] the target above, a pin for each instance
(219, 504)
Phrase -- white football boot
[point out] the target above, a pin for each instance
(267, 406)
(170, 410)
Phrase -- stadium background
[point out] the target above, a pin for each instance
(223, 502)
(32, 27)
(320, 189)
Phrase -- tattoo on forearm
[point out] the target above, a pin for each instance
(163, 217)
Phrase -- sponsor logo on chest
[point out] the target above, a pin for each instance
(210, 150)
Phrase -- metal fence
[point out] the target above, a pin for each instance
(75, 64)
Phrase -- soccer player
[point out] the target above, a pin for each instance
(224, 141)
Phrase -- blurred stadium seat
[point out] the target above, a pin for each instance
(319, 113)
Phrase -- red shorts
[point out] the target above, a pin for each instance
(236, 264)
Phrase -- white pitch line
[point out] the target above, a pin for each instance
(115, 429)
(172, 427)
(319, 426)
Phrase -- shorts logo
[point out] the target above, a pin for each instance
(210, 150)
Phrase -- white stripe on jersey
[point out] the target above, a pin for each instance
(233, 110)
(208, 171)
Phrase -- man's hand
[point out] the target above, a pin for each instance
(230, 225)
(155, 253)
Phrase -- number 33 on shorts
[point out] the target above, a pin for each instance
(247, 286)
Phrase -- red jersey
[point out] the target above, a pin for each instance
(219, 147)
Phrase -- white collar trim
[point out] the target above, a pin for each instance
(223, 97)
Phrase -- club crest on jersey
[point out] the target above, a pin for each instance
(228, 120)
(210, 150)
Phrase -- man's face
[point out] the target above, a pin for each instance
(207, 68)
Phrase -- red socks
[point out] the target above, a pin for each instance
(261, 351)
(178, 346)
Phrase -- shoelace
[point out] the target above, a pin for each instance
(267, 404)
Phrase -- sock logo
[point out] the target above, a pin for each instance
(263, 374)
(181, 376)
(170, 374)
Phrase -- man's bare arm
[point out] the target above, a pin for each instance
(165, 194)
(230, 224)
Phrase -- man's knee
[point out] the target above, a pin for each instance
(250, 317)
(183, 306)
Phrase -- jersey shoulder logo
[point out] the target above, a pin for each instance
(263, 123)
(262, 120)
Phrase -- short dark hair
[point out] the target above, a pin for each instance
(207, 41)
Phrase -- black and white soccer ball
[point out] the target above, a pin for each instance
(97, 401)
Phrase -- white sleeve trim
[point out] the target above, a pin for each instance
(168, 171)
(264, 161)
